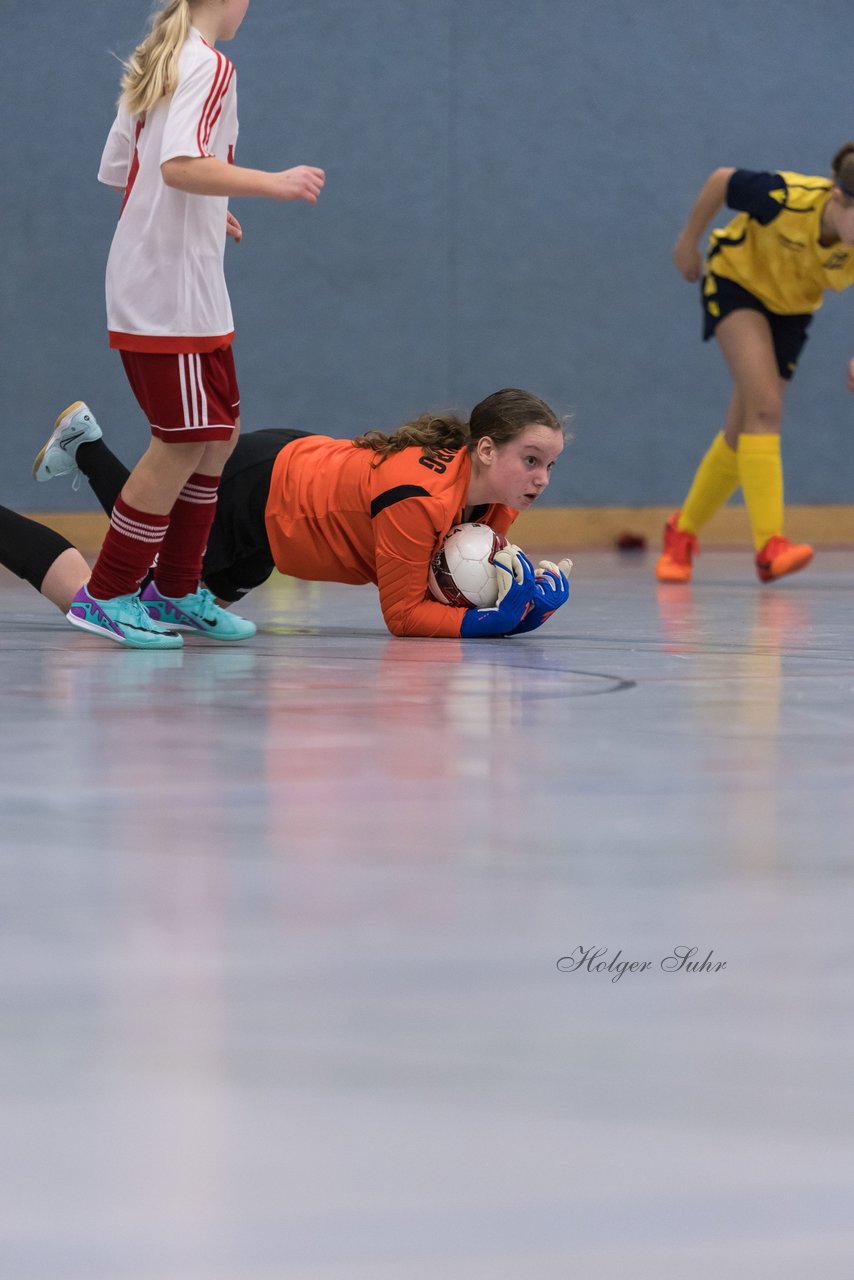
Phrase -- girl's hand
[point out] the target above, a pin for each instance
(851, 374)
(301, 183)
(233, 228)
(688, 259)
(516, 588)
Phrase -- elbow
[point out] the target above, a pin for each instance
(401, 622)
(172, 173)
(411, 626)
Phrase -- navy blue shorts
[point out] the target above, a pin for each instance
(789, 333)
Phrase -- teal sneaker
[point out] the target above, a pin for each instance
(198, 611)
(76, 425)
(121, 619)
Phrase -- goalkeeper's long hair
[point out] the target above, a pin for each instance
(501, 416)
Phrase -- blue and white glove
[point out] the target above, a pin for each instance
(516, 587)
(551, 590)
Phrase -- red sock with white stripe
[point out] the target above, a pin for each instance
(179, 566)
(130, 547)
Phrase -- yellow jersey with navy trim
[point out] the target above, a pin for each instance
(772, 248)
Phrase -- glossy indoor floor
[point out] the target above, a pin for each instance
(281, 930)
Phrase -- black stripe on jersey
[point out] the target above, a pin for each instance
(397, 494)
(810, 209)
(820, 189)
(726, 242)
(479, 512)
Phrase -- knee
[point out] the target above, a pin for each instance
(217, 454)
(766, 415)
(177, 454)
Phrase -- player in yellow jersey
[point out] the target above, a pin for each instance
(763, 278)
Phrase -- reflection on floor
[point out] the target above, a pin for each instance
(281, 930)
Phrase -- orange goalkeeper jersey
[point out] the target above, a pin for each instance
(341, 514)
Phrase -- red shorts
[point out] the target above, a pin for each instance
(188, 397)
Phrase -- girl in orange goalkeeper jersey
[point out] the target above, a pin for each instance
(370, 510)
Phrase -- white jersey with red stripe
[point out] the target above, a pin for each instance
(166, 287)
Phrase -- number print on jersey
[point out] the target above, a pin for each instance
(438, 460)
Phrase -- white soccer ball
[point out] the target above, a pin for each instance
(462, 572)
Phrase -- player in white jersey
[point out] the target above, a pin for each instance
(171, 153)
(184, 305)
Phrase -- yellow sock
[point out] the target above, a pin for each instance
(760, 470)
(716, 481)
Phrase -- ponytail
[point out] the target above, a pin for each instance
(429, 432)
(502, 416)
(151, 72)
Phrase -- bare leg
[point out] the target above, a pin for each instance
(160, 475)
(734, 421)
(756, 407)
(753, 424)
(217, 454)
(64, 578)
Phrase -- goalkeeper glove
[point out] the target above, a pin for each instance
(516, 586)
(551, 590)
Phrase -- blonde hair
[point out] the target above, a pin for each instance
(502, 416)
(151, 72)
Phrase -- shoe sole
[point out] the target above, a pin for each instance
(72, 408)
(189, 625)
(202, 631)
(673, 577)
(122, 640)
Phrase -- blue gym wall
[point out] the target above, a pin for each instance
(505, 181)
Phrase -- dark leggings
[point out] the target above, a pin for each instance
(238, 555)
(27, 547)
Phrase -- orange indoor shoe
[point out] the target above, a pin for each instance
(674, 564)
(779, 556)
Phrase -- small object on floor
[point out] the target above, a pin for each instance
(628, 541)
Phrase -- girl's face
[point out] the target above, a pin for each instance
(516, 473)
